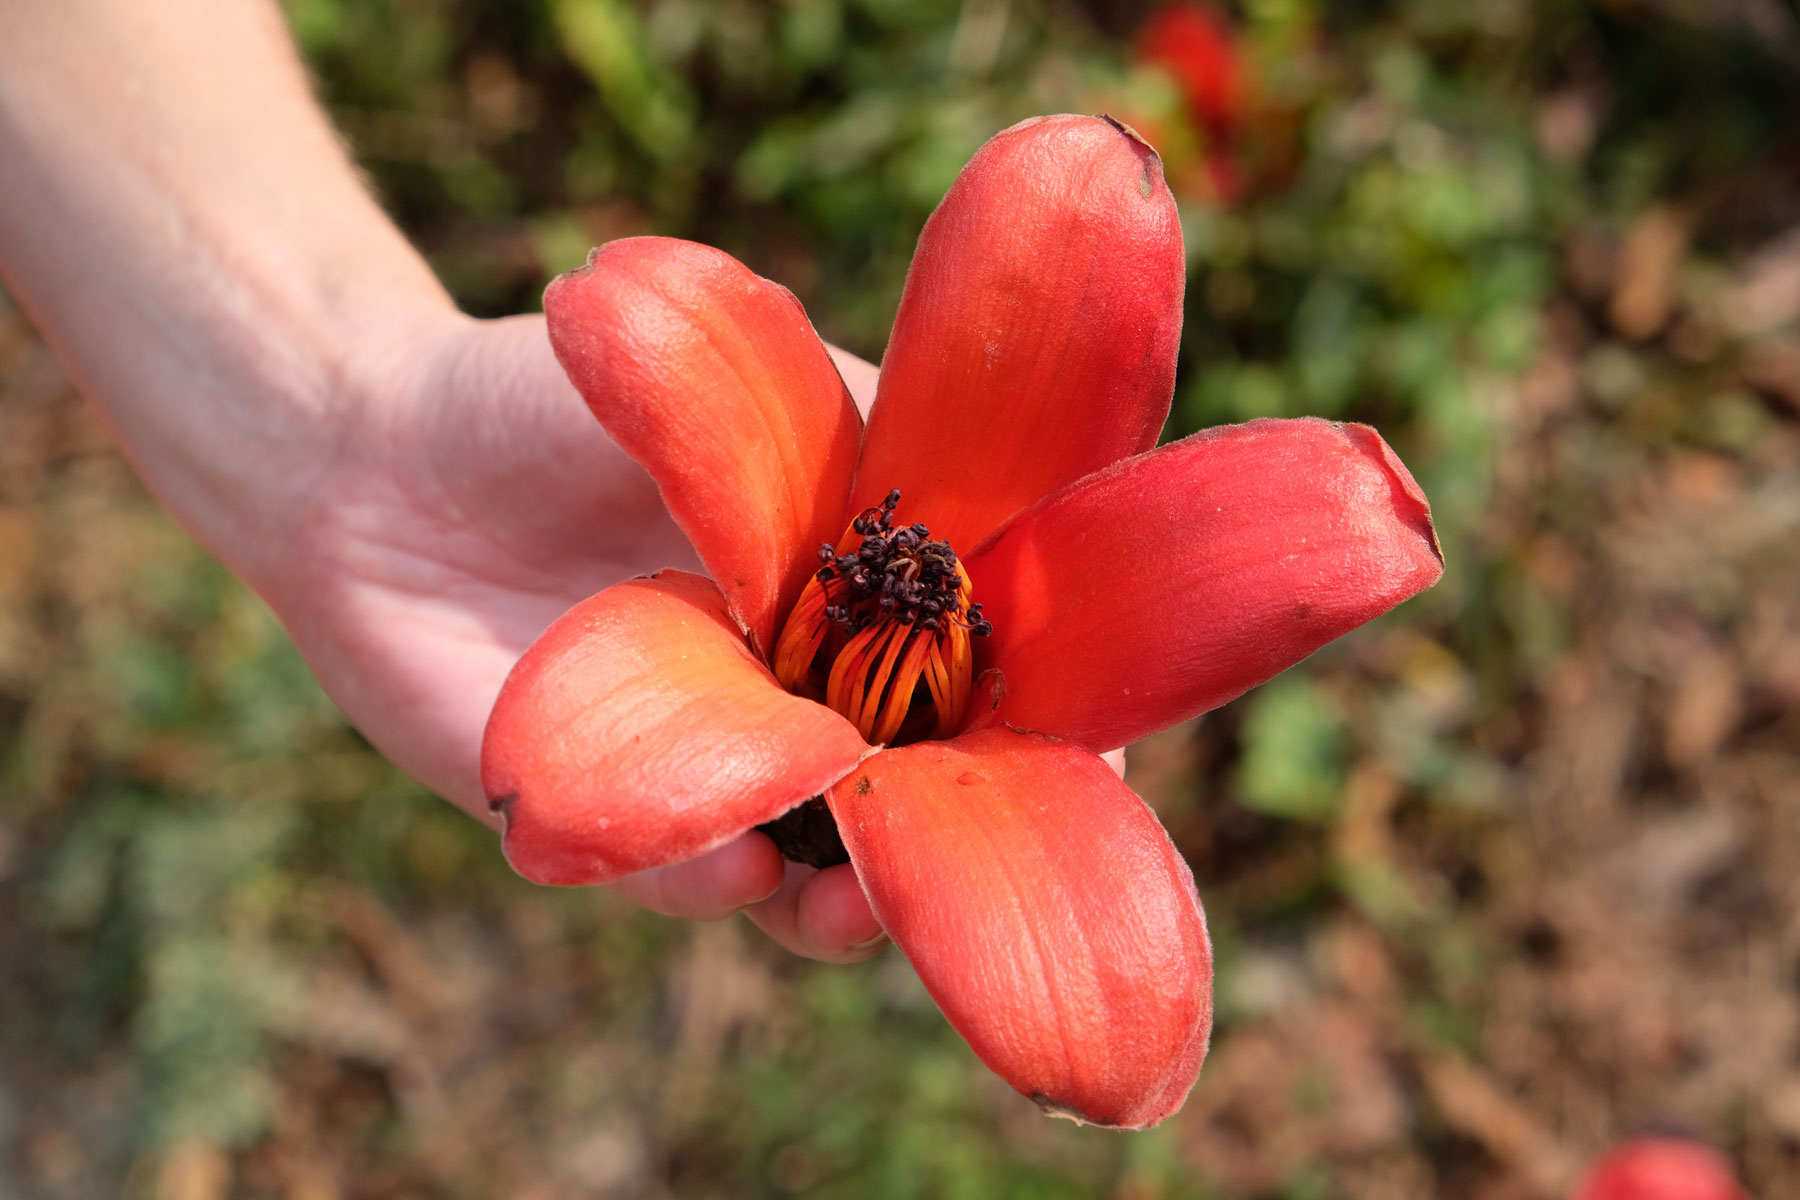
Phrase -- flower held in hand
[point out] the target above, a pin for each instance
(942, 664)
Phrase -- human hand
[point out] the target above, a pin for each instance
(416, 494)
(472, 499)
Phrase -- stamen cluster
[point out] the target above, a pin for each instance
(882, 631)
(909, 576)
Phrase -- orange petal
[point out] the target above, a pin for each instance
(1037, 334)
(640, 730)
(712, 378)
(1046, 912)
(1181, 579)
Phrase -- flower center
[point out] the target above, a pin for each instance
(881, 633)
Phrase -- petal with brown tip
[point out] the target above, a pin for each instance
(1037, 333)
(1176, 581)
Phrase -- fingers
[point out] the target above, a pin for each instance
(821, 914)
(815, 914)
(709, 887)
(858, 375)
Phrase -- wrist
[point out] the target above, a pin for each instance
(334, 387)
(199, 251)
(249, 418)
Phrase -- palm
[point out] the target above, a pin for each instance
(474, 506)
(481, 502)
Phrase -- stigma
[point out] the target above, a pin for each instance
(882, 631)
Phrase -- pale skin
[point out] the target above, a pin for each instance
(415, 493)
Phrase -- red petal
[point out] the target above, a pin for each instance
(1037, 334)
(640, 730)
(1046, 912)
(712, 378)
(1179, 580)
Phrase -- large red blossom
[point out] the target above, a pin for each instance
(1128, 588)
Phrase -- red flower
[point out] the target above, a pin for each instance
(1028, 375)
(1199, 49)
(1660, 1168)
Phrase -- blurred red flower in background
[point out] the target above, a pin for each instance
(1660, 1168)
(1198, 47)
(1232, 135)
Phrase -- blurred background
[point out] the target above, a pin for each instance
(1510, 874)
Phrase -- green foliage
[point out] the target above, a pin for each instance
(174, 896)
(1293, 764)
(607, 40)
(816, 134)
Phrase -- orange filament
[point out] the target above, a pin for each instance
(882, 633)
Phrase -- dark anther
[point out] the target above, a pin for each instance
(895, 574)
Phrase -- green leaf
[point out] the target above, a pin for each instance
(1293, 751)
(606, 39)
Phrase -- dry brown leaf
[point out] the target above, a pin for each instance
(1767, 295)
(194, 1170)
(1477, 1106)
(1773, 365)
(1649, 262)
(1703, 710)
